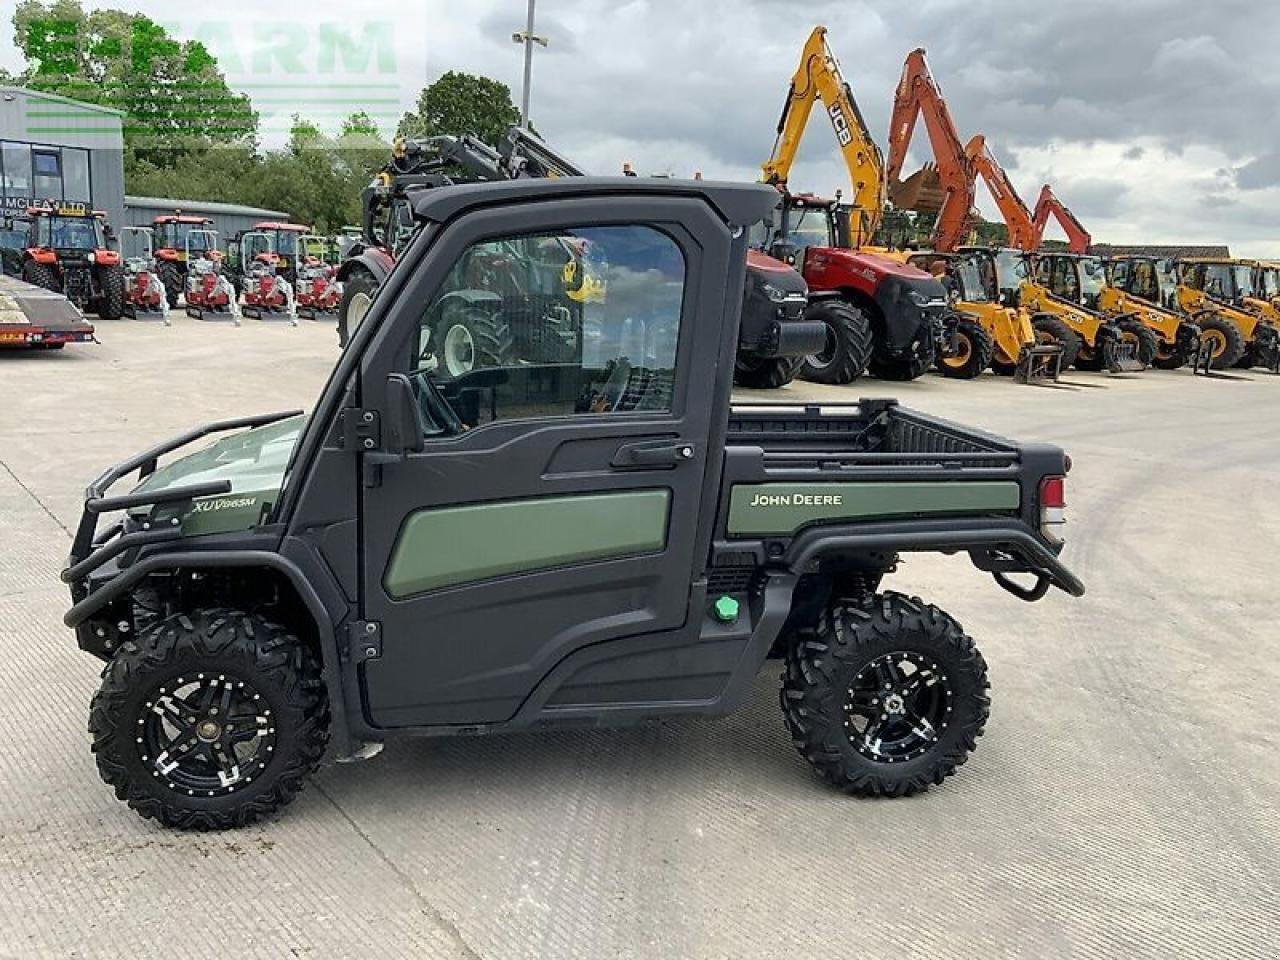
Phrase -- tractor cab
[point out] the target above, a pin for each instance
(1077, 278)
(69, 249)
(283, 247)
(68, 231)
(1154, 279)
(1227, 281)
(177, 236)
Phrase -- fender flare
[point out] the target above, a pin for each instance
(376, 262)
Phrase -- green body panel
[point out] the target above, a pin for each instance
(254, 461)
(764, 509)
(445, 546)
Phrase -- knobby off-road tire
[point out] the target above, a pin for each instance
(856, 688)
(765, 373)
(1144, 339)
(848, 349)
(154, 706)
(1226, 339)
(171, 278)
(1050, 329)
(472, 339)
(110, 306)
(42, 275)
(976, 349)
(357, 296)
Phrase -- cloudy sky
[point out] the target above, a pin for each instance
(1156, 120)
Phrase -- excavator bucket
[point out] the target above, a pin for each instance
(1040, 363)
(922, 191)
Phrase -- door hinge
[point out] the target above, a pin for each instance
(364, 640)
(360, 429)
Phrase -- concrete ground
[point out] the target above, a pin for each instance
(1122, 803)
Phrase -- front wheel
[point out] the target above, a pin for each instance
(848, 348)
(765, 373)
(357, 296)
(42, 275)
(1145, 344)
(171, 278)
(974, 350)
(1226, 343)
(110, 305)
(885, 701)
(210, 719)
(1050, 329)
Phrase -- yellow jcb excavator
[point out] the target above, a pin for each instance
(1226, 287)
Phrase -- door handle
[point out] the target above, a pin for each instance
(650, 454)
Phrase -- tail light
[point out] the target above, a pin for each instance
(1053, 508)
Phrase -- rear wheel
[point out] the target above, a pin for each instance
(885, 701)
(848, 348)
(973, 353)
(357, 296)
(110, 305)
(210, 719)
(1143, 339)
(1226, 342)
(1050, 329)
(42, 275)
(765, 373)
(468, 339)
(1169, 356)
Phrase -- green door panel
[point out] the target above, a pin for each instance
(445, 546)
(763, 509)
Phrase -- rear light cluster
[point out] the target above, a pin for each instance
(1053, 508)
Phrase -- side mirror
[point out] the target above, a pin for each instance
(404, 419)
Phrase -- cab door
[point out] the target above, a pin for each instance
(567, 363)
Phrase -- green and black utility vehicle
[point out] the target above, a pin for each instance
(593, 539)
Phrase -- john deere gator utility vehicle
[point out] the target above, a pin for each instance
(68, 250)
(602, 540)
(1226, 287)
(1006, 337)
(178, 237)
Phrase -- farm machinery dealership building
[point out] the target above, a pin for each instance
(53, 148)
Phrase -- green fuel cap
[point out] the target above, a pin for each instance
(726, 609)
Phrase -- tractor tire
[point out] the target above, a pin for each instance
(902, 369)
(849, 343)
(472, 339)
(1225, 339)
(1145, 339)
(357, 295)
(42, 275)
(885, 701)
(976, 350)
(765, 373)
(210, 719)
(1169, 358)
(1050, 329)
(171, 278)
(110, 306)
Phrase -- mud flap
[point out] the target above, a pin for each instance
(1039, 363)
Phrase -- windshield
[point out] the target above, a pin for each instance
(1270, 277)
(1011, 270)
(1243, 275)
(195, 237)
(69, 233)
(1218, 281)
(1093, 277)
(811, 228)
(287, 242)
(969, 275)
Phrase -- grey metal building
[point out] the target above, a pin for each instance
(228, 218)
(52, 148)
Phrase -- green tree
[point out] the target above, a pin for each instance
(175, 99)
(460, 103)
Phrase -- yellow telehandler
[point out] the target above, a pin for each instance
(1226, 287)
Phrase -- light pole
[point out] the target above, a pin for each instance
(528, 38)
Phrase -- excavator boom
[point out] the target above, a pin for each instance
(948, 187)
(1078, 238)
(1022, 234)
(818, 77)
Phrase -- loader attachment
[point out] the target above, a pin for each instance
(1121, 356)
(1039, 363)
(922, 191)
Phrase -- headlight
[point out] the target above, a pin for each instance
(93, 257)
(776, 294)
(923, 300)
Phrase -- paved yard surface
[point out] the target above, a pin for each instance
(1124, 801)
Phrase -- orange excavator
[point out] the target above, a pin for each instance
(1078, 238)
(946, 186)
(1021, 226)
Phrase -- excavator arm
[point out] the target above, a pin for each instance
(1078, 238)
(919, 97)
(1017, 218)
(818, 77)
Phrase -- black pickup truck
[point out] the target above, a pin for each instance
(585, 533)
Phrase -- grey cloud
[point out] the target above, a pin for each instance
(1259, 173)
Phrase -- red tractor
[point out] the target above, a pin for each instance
(144, 293)
(318, 292)
(67, 252)
(178, 239)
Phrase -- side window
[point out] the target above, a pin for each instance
(573, 322)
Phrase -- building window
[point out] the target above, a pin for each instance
(75, 175)
(16, 158)
(46, 181)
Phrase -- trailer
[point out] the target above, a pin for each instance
(32, 317)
